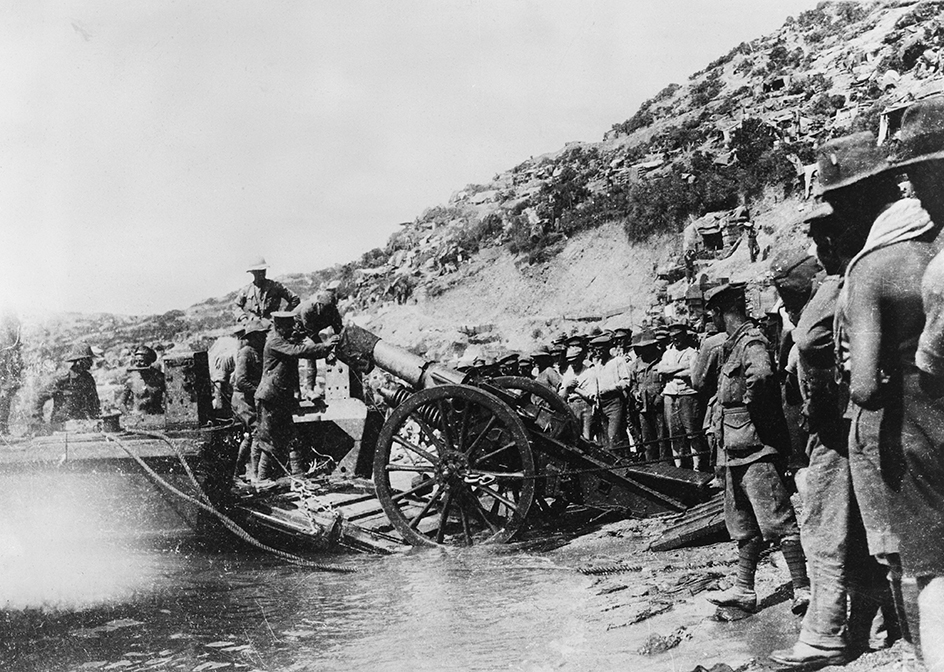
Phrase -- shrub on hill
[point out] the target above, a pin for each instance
(644, 116)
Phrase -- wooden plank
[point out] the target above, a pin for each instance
(700, 522)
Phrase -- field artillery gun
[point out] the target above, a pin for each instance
(464, 459)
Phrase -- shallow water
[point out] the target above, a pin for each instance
(86, 587)
(473, 609)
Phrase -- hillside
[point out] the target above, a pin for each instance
(582, 231)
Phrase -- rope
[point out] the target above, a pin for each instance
(203, 503)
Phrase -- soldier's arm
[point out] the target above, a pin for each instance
(45, 393)
(91, 398)
(243, 379)
(757, 371)
(124, 396)
(291, 298)
(336, 323)
(239, 306)
(306, 349)
(668, 368)
(864, 318)
(930, 355)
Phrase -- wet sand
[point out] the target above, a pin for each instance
(656, 613)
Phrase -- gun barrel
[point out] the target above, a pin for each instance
(361, 349)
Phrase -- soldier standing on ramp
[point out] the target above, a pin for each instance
(315, 314)
(275, 396)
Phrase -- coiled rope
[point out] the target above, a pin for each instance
(204, 503)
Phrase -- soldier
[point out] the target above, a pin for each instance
(682, 416)
(275, 395)
(525, 366)
(705, 373)
(246, 379)
(757, 504)
(889, 243)
(753, 248)
(222, 361)
(646, 389)
(578, 386)
(847, 583)
(73, 392)
(508, 365)
(262, 296)
(11, 366)
(315, 314)
(909, 390)
(144, 389)
(547, 374)
(612, 381)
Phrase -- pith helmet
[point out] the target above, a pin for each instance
(283, 315)
(80, 351)
(848, 160)
(922, 133)
(257, 264)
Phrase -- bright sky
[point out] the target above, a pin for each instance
(149, 149)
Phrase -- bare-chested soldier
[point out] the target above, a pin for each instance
(920, 421)
(881, 316)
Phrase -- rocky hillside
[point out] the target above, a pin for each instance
(578, 234)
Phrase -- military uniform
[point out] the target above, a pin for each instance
(222, 361)
(246, 379)
(612, 380)
(755, 439)
(275, 396)
(646, 388)
(144, 391)
(73, 394)
(314, 315)
(579, 389)
(254, 302)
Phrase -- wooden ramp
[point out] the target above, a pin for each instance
(320, 514)
(698, 523)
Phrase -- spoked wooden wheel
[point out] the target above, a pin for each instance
(553, 416)
(550, 412)
(453, 467)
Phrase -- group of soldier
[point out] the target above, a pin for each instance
(863, 352)
(632, 392)
(254, 373)
(864, 333)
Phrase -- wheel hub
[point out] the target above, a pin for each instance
(454, 466)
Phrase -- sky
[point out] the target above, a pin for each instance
(149, 150)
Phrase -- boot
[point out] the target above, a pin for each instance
(806, 657)
(242, 458)
(740, 597)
